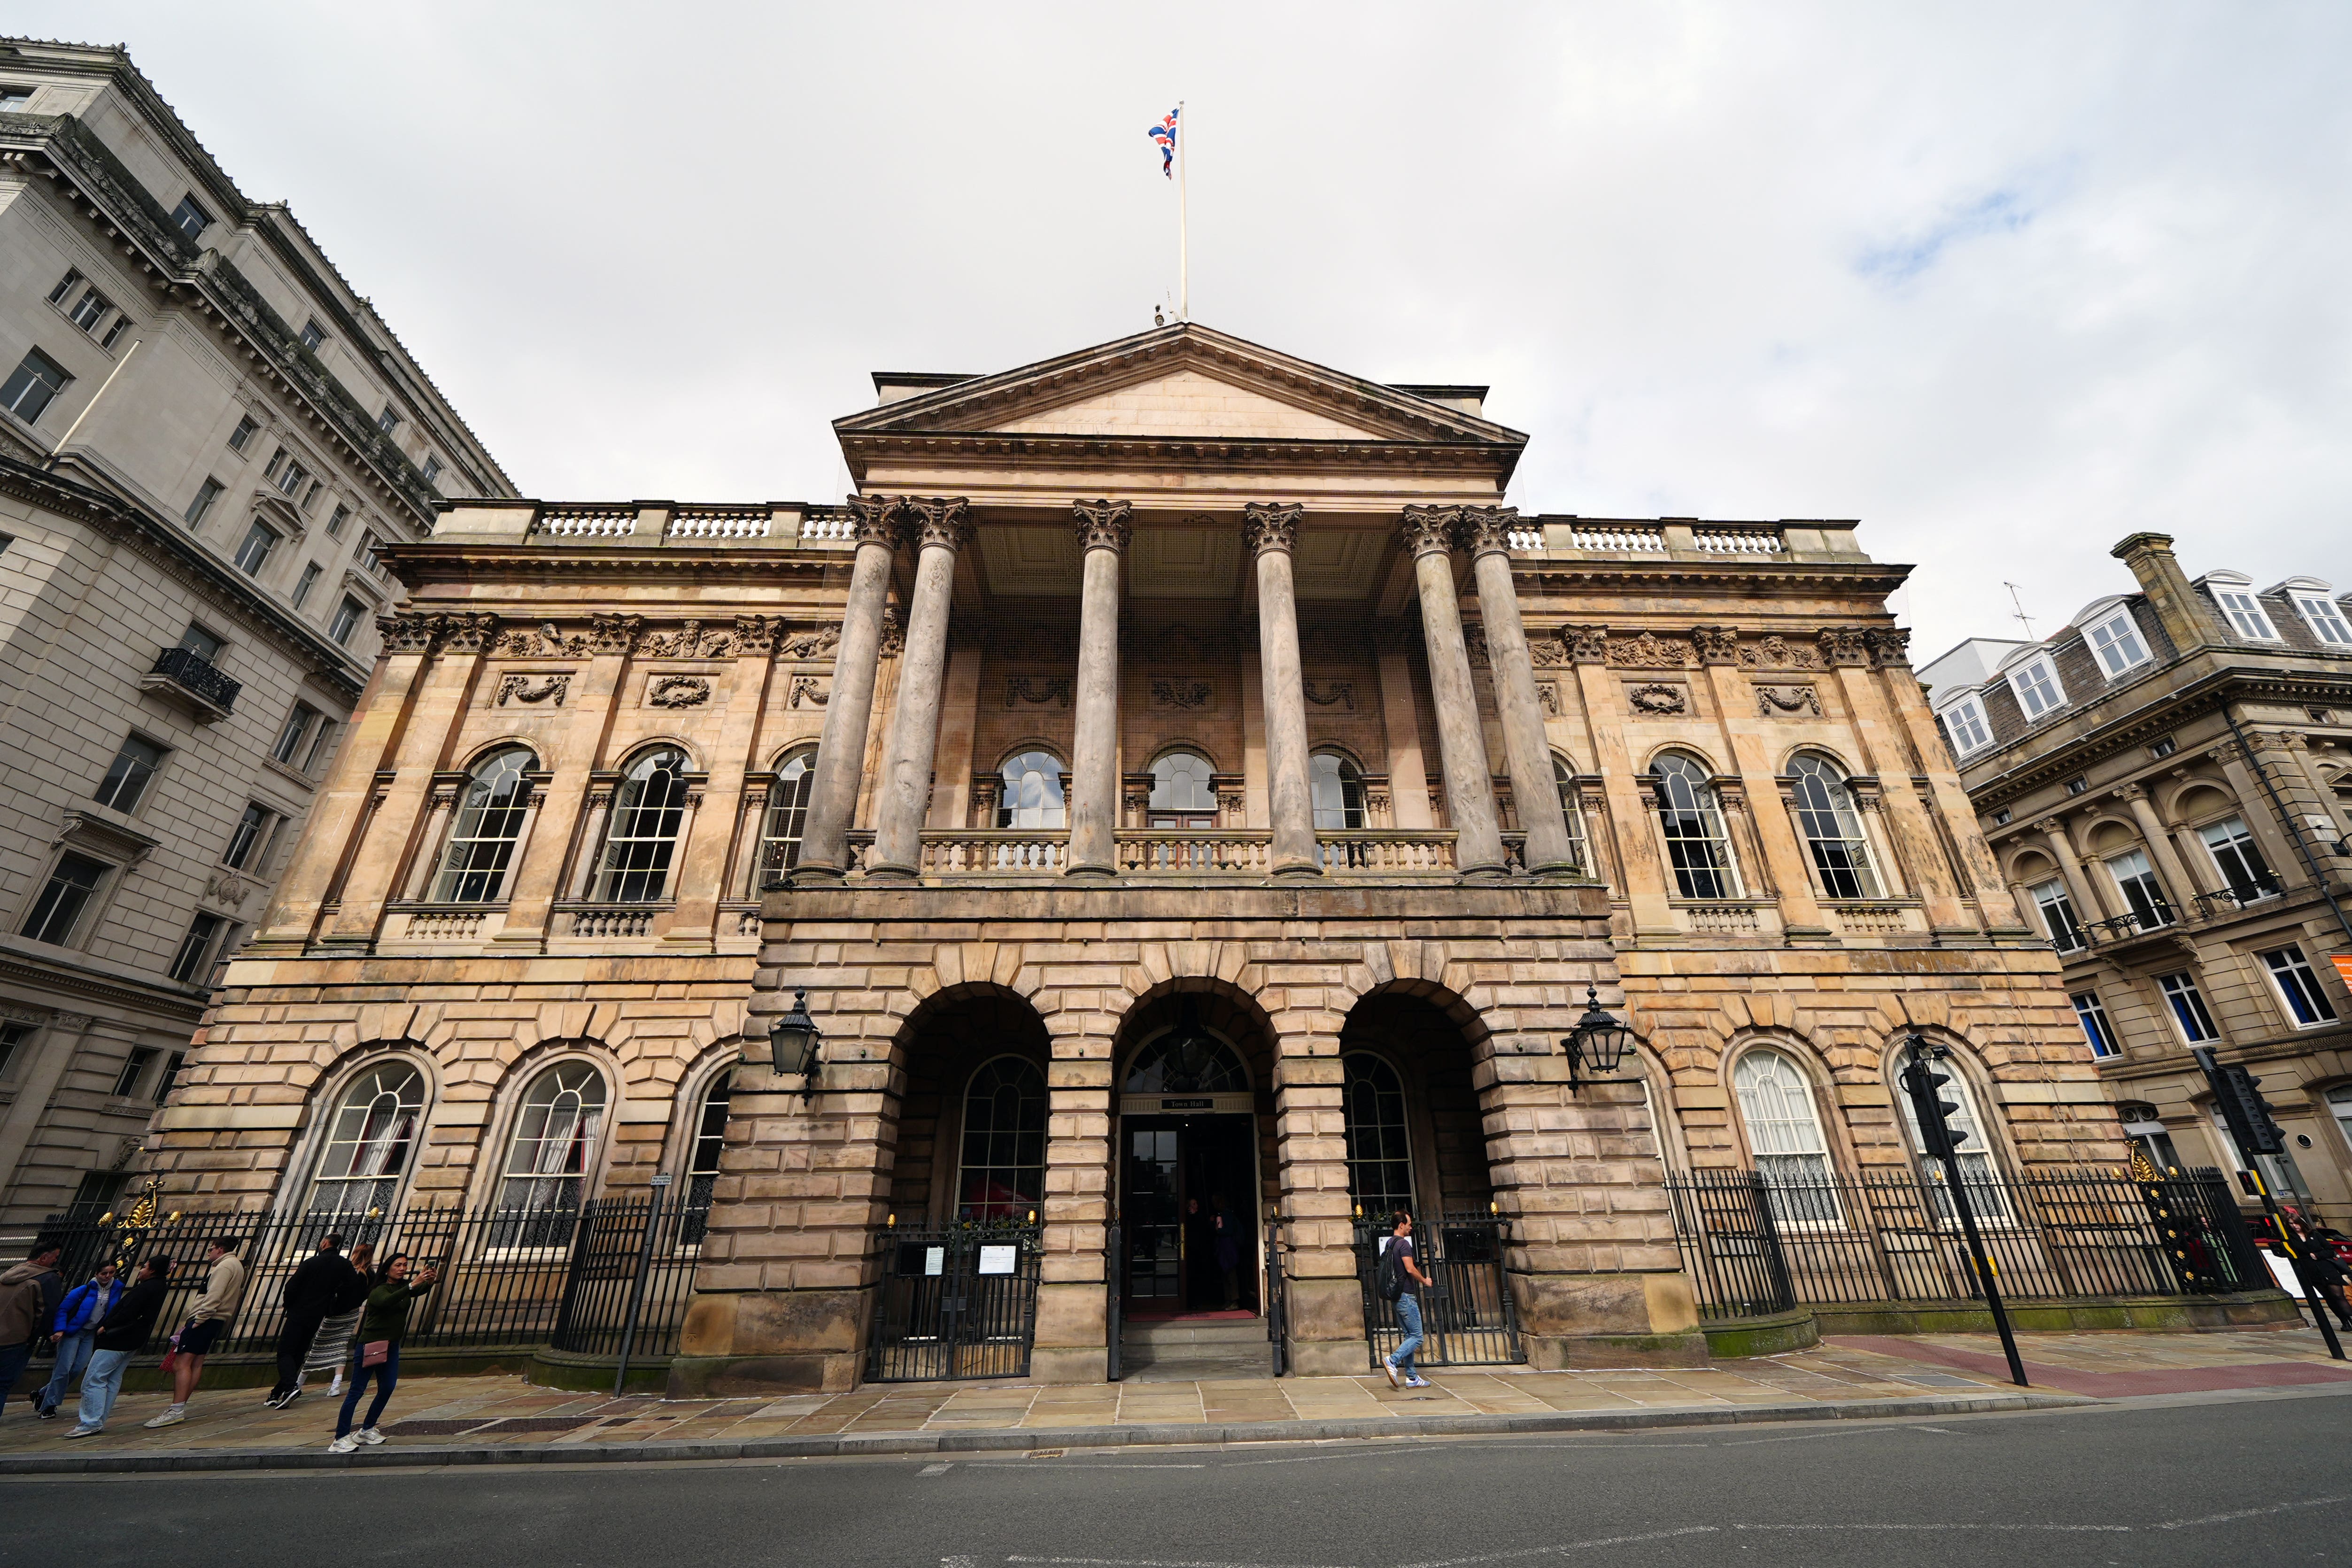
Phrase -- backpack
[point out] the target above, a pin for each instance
(1391, 1276)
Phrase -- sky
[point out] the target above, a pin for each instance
(2006, 282)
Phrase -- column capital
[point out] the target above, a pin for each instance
(1269, 525)
(875, 519)
(2133, 793)
(1485, 530)
(1104, 525)
(942, 521)
(1429, 530)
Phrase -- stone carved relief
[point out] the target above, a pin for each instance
(692, 640)
(1266, 526)
(229, 891)
(551, 689)
(615, 633)
(406, 632)
(1179, 694)
(1547, 693)
(1842, 645)
(677, 691)
(1655, 697)
(1485, 530)
(1890, 646)
(1774, 653)
(1037, 690)
(894, 638)
(1330, 694)
(817, 644)
(1715, 644)
(468, 633)
(1103, 524)
(757, 633)
(541, 642)
(1649, 652)
(809, 689)
(415, 631)
(1771, 701)
(1586, 644)
(1548, 647)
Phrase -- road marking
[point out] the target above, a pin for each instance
(936, 1469)
(2251, 1512)
(1156, 1563)
(959, 1563)
(1085, 1465)
(2115, 1529)
(1939, 1431)
(1563, 1546)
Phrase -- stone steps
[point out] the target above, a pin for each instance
(1192, 1349)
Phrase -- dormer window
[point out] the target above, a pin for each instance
(1964, 721)
(2246, 614)
(2036, 683)
(313, 334)
(2325, 618)
(189, 219)
(2116, 641)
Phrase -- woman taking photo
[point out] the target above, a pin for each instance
(376, 1354)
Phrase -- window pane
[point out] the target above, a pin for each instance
(1032, 793)
(1001, 1172)
(551, 1156)
(1180, 781)
(1776, 1106)
(32, 385)
(125, 783)
(2095, 1029)
(368, 1142)
(647, 809)
(1833, 830)
(484, 830)
(58, 910)
(195, 948)
(247, 837)
(1691, 827)
(2325, 621)
(2298, 987)
(1380, 1154)
(788, 802)
(254, 553)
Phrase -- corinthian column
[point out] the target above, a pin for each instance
(1103, 528)
(1486, 534)
(941, 527)
(1428, 534)
(850, 710)
(1270, 530)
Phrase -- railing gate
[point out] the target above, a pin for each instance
(955, 1304)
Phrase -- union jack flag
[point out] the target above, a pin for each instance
(1165, 133)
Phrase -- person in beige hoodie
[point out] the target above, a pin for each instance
(208, 1320)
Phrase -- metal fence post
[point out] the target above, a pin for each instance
(637, 1289)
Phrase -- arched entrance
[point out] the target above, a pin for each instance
(1192, 1163)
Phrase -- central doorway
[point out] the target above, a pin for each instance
(1189, 1212)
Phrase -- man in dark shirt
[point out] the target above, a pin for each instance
(1398, 1364)
(310, 1294)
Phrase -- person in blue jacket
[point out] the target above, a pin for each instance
(76, 1329)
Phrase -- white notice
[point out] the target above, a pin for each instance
(997, 1259)
(935, 1260)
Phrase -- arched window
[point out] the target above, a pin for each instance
(1776, 1105)
(486, 829)
(1691, 826)
(702, 1163)
(1187, 1059)
(1977, 1166)
(1379, 1159)
(788, 802)
(551, 1156)
(647, 809)
(368, 1142)
(1032, 796)
(1003, 1172)
(1183, 793)
(1337, 790)
(1571, 811)
(1833, 830)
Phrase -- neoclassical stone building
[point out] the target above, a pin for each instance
(1174, 776)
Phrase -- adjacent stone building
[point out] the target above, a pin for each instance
(1174, 776)
(2167, 782)
(207, 439)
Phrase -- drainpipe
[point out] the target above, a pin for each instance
(59, 450)
(2293, 828)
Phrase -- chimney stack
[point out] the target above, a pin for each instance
(2150, 558)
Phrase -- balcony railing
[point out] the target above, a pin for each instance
(182, 673)
(2228, 901)
(610, 919)
(2124, 927)
(954, 852)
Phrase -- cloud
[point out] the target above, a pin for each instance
(1899, 261)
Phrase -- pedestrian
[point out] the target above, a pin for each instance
(311, 1293)
(224, 1283)
(30, 1294)
(332, 1348)
(2323, 1264)
(377, 1351)
(76, 1326)
(121, 1334)
(1398, 1251)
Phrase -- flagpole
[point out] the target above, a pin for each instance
(1183, 221)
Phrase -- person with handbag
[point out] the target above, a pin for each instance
(309, 1295)
(121, 1334)
(377, 1355)
(77, 1326)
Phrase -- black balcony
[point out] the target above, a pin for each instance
(190, 676)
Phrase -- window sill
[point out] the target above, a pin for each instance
(309, 784)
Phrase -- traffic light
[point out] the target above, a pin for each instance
(2243, 1110)
(1938, 1130)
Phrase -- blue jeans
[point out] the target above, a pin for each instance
(13, 1358)
(1409, 1318)
(101, 1385)
(73, 1354)
(385, 1377)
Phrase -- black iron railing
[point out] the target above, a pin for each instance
(2212, 905)
(954, 1303)
(1467, 1313)
(193, 673)
(509, 1278)
(1754, 1244)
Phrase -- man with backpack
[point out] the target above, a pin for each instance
(1401, 1280)
(29, 1296)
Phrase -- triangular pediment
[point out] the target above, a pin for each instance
(1180, 382)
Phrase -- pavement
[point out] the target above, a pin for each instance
(502, 1420)
(2173, 1482)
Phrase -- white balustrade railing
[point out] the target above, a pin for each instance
(1738, 541)
(820, 527)
(1167, 852)
(444, 924)
(994, 851)
(1716, 918)
(1386, 852)
(611, 920)
(587, 522)
(720, 523)
(1526, 535)
(1617, 537)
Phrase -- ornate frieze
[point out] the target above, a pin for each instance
(613, 634)
(1179, 694)
(471, 632)
(407, 632)
(810, 689)
(1775, 653)
(1647, 651)
(1268, 526)
(541, 642)
(677, 691)
(1715, 644)
(1842, 646)
(1658, 699)
(692, 640)
(755, 636)
(226, 890)
(1037, 690)
(1890, 646)
(812, 645)
(551, 689)
(1103, 524)
(1547, 693)
(1331, 693)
